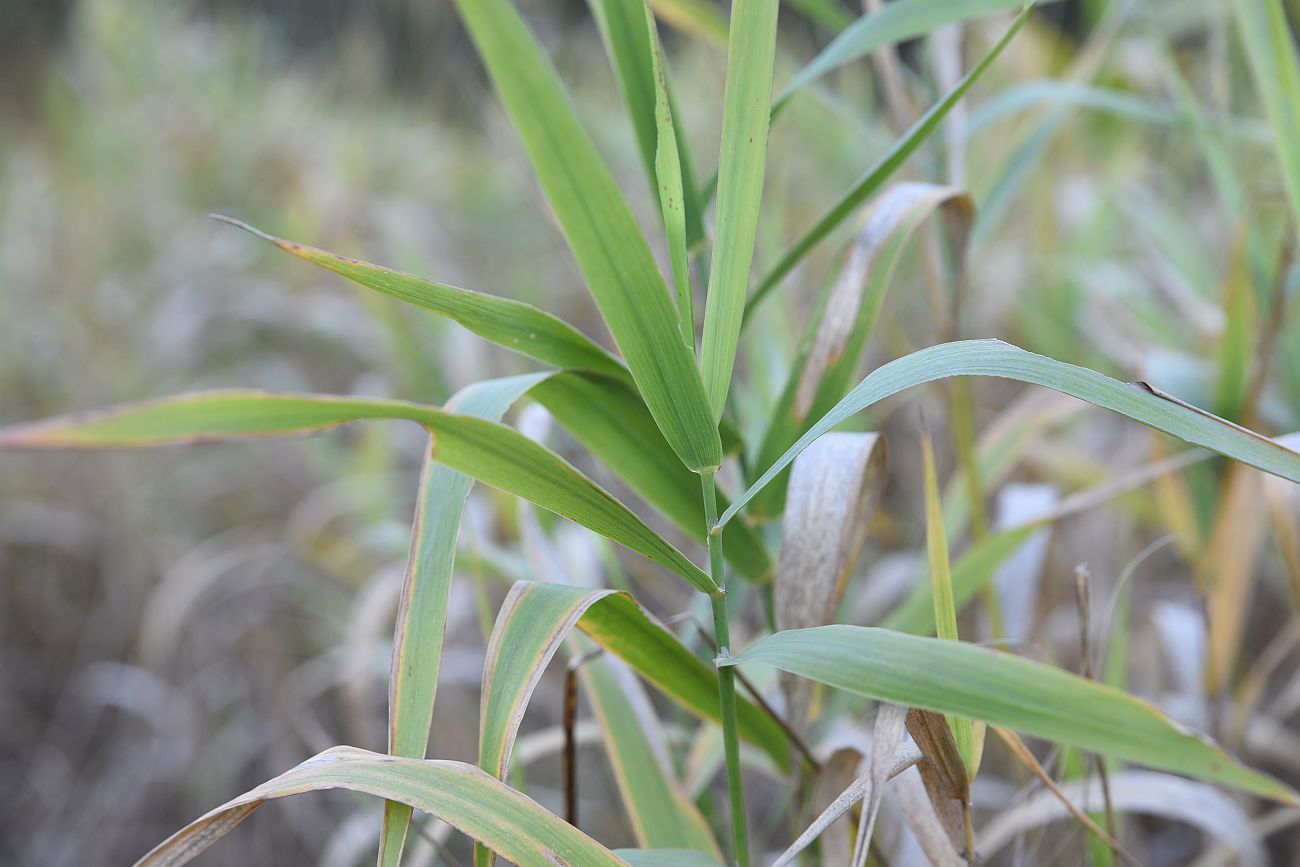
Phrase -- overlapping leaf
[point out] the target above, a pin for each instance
(490, 452)
(611, 251)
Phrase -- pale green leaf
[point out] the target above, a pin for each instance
(506, 821)
(422, 611)
(954, 677)
(843, 323)
(1137, 401)
(896, 22)
(1272, 52)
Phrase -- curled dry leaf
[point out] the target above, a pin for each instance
(834, 489)
(839, 330)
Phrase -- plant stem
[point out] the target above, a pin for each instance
(726, 676)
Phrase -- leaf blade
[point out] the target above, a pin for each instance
(465, 797)
(963, 679)
(751, 53)
(602, 233)
(492, 453)
(994, 358)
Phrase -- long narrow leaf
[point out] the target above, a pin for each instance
(422, 611)
(511, 824)
(883, 169)
(627, 28)
(895, 22)
(611, 421)
(611, 251)
(490, 452)
(506, 322)
(945, 611)
(1137, 401)
(750, 53)
(958, 678)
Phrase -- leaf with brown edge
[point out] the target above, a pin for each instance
(506, 322)
(662, 816)
(490, 452)
(426, 590)
(473, 802)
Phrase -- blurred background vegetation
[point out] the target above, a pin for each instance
(176, 627)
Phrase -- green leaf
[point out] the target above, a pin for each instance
(945, 611)
(896, 22)
(623, 627)
(611, 251)
(610, 420)
(957, 678)
(508, 822)
(972, 571)
(506, 322)
(884, 167)
(492, 453)
(627, 28)
(1137, 401)
(678, 207)
(422, 611)
(1272, 52)
(750, 53)
(661, 814)
(534, 620)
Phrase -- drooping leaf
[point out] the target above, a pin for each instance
(1137, 401)
(492, 453)
(510, 823)
(876, 176)
(504, 321)
(750, 53)
(954, 677)
(611, 251)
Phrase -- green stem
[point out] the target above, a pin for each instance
(726, 675)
